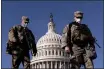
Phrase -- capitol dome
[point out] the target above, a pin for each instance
(50, 37)
(49, 51)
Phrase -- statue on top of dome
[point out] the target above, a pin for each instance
(51, 17)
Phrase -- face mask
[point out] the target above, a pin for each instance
(78, 20)
(24, 24)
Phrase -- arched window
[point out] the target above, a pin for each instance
(60, 53)
(52, 39)
(52, 45)
(56, 52)
(49, 52)
(45, 52)
(49, 39)
(52, 52)
(55, 39)
(49, 45)
(60, 40)
(63, 53)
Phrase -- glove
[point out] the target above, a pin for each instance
(34, 54)
(8, 52)
(67, 50)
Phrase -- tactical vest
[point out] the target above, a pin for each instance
(19, 35)
(20, 38)
(80, 33)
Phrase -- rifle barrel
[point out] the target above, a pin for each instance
(97, 45)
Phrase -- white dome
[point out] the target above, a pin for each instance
(49, 37)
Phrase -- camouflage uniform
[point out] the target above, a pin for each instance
(20, 41)
(77, 49)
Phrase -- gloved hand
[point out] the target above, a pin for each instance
(8, 52)
(34, 54)
(67, 50)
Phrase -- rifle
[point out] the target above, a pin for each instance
(96, 42)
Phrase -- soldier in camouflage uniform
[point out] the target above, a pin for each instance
(20, 41)
(74, 43)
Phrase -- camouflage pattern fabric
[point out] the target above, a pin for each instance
(17, 59)
(77, 49)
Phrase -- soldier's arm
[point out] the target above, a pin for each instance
(91, 38)
(65, 37)
(12, 36)
(12, 40)
(34, 43)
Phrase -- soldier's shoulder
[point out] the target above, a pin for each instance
(12, 28)
(71, 23)
(15, 27)
(28, 30)
(85, 25)
(66, 28)
(18, 26)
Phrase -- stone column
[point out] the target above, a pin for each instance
(35, 65)
(47, 65)
(47, 52)
(58, 52)
(60, 65)
(40, 65)
(54, 52)
(64, 65)
(55, 64)
(51, 65)
(43, 65)
(61, 53)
